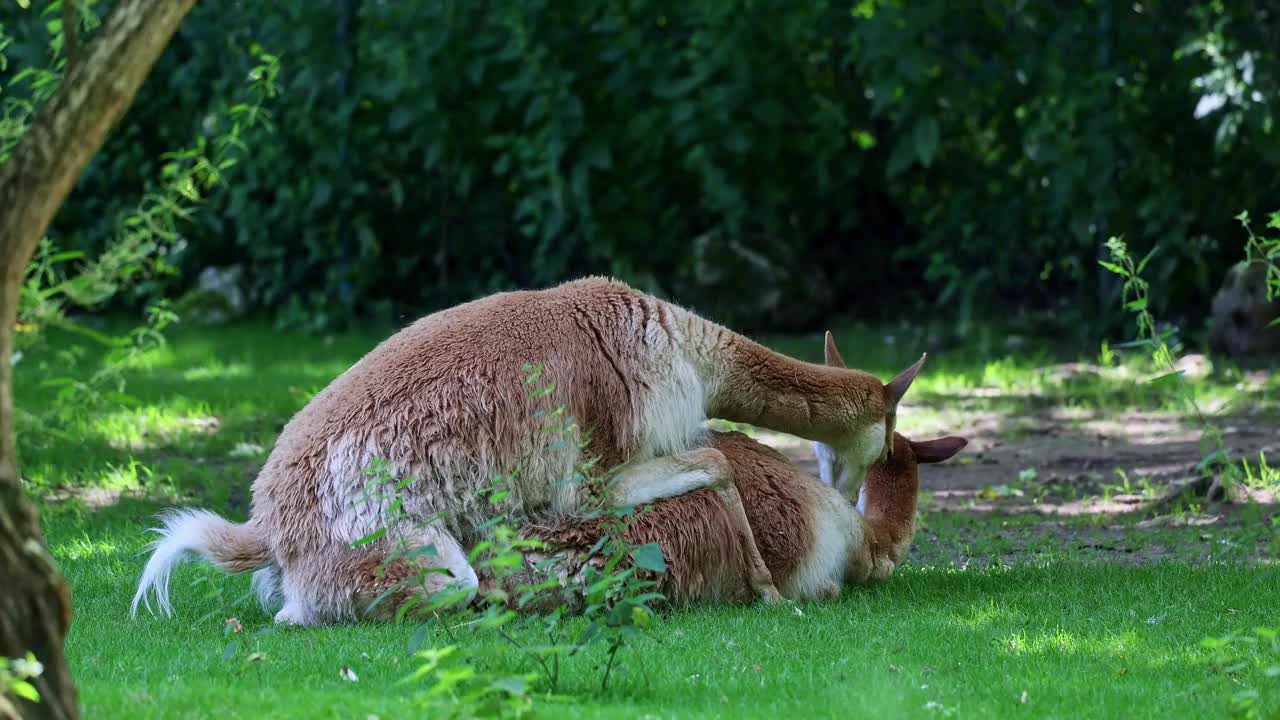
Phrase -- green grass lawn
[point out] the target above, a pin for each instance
(1081, 640)
(1080, 637)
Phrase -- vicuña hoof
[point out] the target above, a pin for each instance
(770, 595)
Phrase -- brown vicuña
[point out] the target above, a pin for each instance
(810, 535)
(444, 401)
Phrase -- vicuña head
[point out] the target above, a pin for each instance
(887, 500)
(854, 426)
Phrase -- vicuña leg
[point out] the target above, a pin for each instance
(340, 584)
(673, 475)
(405, 573)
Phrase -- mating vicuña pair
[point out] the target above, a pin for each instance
(443, 401)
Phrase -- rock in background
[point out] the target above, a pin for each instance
(1241, 316)
(218, 297)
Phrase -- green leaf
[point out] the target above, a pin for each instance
(598, 155)
(475, 71)
(769, 112)
(1143, 264)
(1112, 267)
(1132, 344)
(400, 118)
(591, 632)
(901, 158)
(385, 594)
(376, 534)
(925, 135)
(649, 557)
(736, 141)
(24, 4)
(428, 550)
(1167, 377)
(22, 688)
(121, 399)
(419, 637)
(65, 256)
(408, 605)
(512, 685)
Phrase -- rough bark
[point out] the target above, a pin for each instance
(35, 603)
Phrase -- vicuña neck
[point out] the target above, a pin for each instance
(750, 383)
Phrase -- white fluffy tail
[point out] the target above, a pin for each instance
(229, 546)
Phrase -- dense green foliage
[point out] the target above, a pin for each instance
(811, 157)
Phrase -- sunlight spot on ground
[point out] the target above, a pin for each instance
(979, 615)
(216, 370)
(83, 548)
(124, 477)
(153, 359)
(1073, 414)
(94, 498)
(1144, 428)
(974, 500)
(1060, 641)
(150, 426)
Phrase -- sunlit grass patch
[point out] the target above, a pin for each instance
(217, 370)
(84, 548)
(152, 425)
(1259, 472)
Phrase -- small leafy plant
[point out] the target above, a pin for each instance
(1238, 656)
(520, 575)
(456, 689)
(618, 599)
(1162, 347)
(1264, 251)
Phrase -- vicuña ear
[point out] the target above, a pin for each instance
(832, 354)
(898, 386)
(935, 451)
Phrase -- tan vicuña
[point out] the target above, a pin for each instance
(812, 538)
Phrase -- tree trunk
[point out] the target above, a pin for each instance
(35, 604)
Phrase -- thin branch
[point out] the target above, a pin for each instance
(70, 22)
